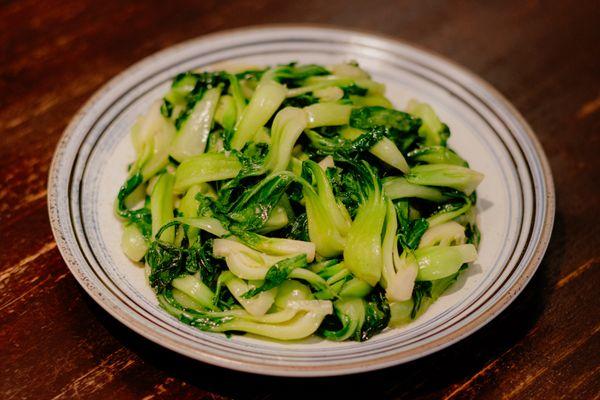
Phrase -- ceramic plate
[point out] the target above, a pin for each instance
(516, 199)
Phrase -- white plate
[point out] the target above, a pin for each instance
(516, 199)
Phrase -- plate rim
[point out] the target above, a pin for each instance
(328, 370)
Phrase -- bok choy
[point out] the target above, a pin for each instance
(295, 200)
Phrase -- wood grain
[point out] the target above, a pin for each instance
(55, 342)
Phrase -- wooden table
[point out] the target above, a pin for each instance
(56, 342)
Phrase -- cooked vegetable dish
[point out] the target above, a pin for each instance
(296, 200)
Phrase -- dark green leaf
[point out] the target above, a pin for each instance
(167, 262)
(140, 217)
(409, 231)
(353, 90)
(253, 209)
(426, 292)
(414, 234)
(300, 101)
(198, 319)
(166, 109)
(293, 74)
(473, 234)
(376, 318)
(251, 158)
(341, 148)
(377, 116)
(345, 188)
(187, 89)
(437, 155)
(298, 228)
(277, 274)
(400, 127)
(364, 177)
(377, 315)
(421, 290)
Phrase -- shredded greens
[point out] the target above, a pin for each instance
(296, 200)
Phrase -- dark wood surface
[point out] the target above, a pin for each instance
(55, 342)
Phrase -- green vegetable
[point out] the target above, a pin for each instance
(276, 246)
(362, 253)
(450, 211)
(360, 319)
(445, 234)
(436, 262)
(204, 168)
(140, 217)
(338, 281)
(351, 313)
(329, 94)
(226, 112)
(327, 114)
(188, 206)
(293, 74)
(291, 291)
(168, 262)
(369, 117)
(192, 135)
(350, 70)
(265, 101)
(161, 203)
(303, 324)
(278, 219)
(278, 273)
(437, 155)
(297, 228)
(300, 101)
(342, 148)
(410, 230)
(254, 208)
(287, 127)
(385, 149)
(261, 200)
(399, 271)
(399, 127)
(400, 188)
(434, 132)
(248, 263)
(187, 90)
(328, 220)
(133, 243)
(298, 315)
(424, 294)
(257, 304)
(460, 178)
(151, 135)
(194, 288)
(316, 83)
